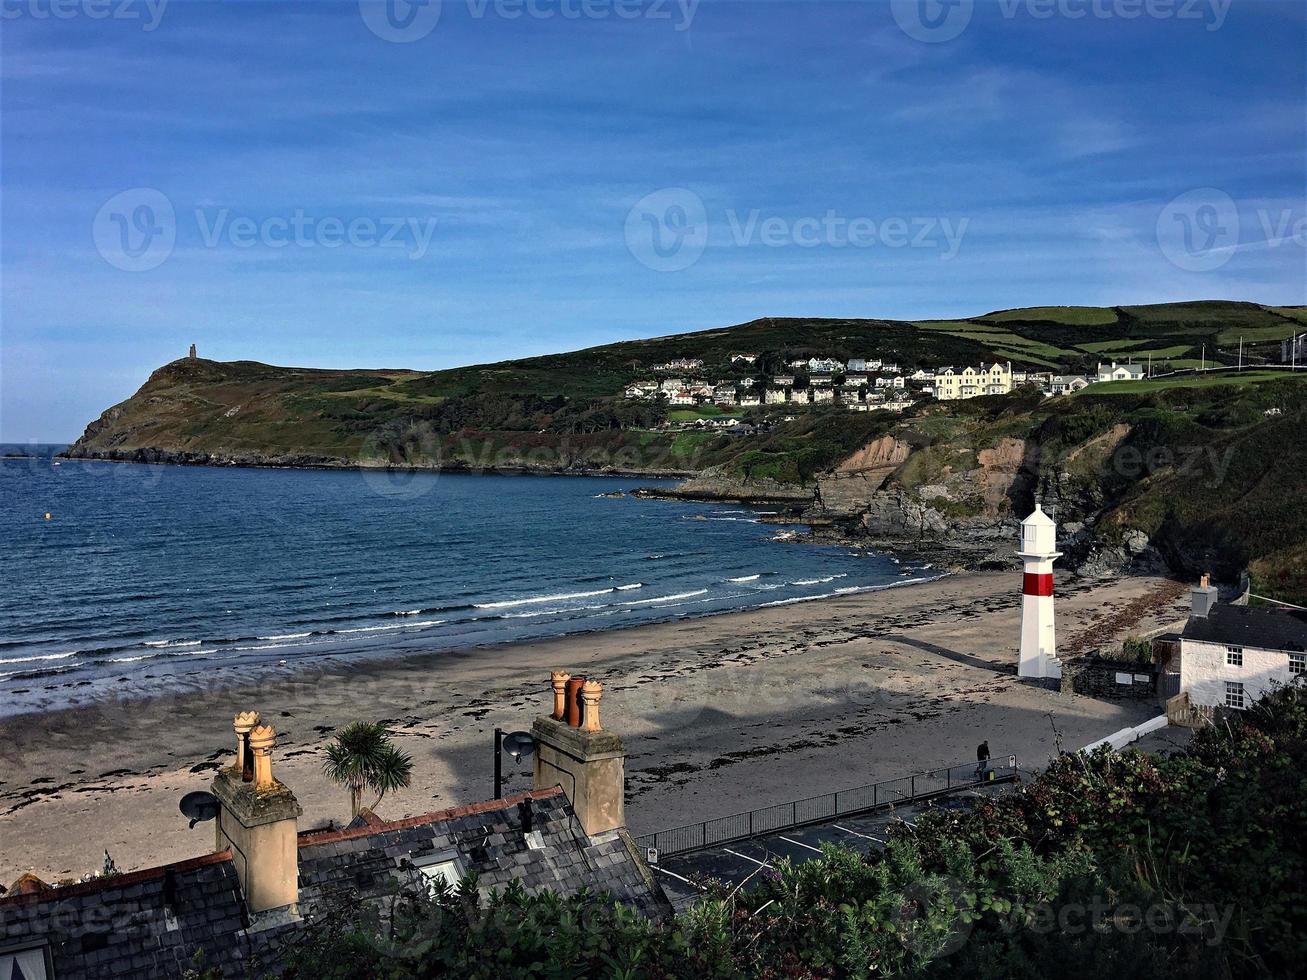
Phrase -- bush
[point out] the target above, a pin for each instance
(1116, 864)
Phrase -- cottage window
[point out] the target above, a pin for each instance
(1297, 664)
(1234, 656)
(1234, 694)
(25, 963)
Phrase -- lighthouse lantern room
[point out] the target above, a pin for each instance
(1038, 640)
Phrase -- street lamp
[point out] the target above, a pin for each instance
(516, 744)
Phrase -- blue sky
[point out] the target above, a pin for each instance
(493, 188)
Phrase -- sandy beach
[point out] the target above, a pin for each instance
(719, 714)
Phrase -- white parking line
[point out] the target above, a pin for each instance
(746, 857)
(798, 843)
(673, 874)
(856, 834)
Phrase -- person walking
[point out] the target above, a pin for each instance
(982, 759)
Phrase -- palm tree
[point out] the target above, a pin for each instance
(362, 757)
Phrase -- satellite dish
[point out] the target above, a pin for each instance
(519, 744)
(199, 807)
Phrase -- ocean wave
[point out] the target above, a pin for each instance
(44, 656)
(288, 636)
(746, 578)
(849, 590)
(663, 598)
(394, 626)
(532, 600)
(819, 581)
(172, 643)
(406, 612)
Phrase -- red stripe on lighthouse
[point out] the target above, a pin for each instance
(1036, 584)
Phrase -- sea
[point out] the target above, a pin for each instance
(123, 579)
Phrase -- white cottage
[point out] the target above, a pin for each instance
(1231, 655)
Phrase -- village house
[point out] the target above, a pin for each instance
(1120, 372)
(671, 385)
(802, 396)
(1232, 655)
(821, 379)
(724, 393)
(641, 389)
(748, 401)
(784, 380)
(265, 880)
(743, 358)
(971, 383)
(824, 365)
(821, 395)
(776, 396)
(1062, 384)
(680, 364)
(888, 368)
(856, 364)
(921, 374)
(855, 379)
(681, 397)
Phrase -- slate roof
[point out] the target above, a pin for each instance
(1250, 626)
(150, 923)
(142, 924)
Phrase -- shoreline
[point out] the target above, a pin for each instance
(718, 713)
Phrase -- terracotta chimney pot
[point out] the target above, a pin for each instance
(558, 680)
(573, 708)
(261, 741)
(1206, 580)
(590, 694)
(243, 723)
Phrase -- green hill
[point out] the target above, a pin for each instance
(950, 468)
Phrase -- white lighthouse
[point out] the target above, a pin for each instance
(1038, 641)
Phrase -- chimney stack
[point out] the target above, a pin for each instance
(586, 761)
(258, 821)
(1204, 597)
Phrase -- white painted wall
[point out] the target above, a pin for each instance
(1203, 671)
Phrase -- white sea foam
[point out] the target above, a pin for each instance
(664, 598)
(46, 656)
(819, 581)
(406, 612)
(746, 578)
(532, 600)
(393, 626)
(173, 643)
(285, 636)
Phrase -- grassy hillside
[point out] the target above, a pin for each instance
(983, 459)
(1213, 472)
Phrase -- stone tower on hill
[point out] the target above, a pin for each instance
(192, 355)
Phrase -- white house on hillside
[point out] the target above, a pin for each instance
(825, 364)
(1231, 655)
(1120, 372)
(775, 396)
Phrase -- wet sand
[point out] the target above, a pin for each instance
(719, 714)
